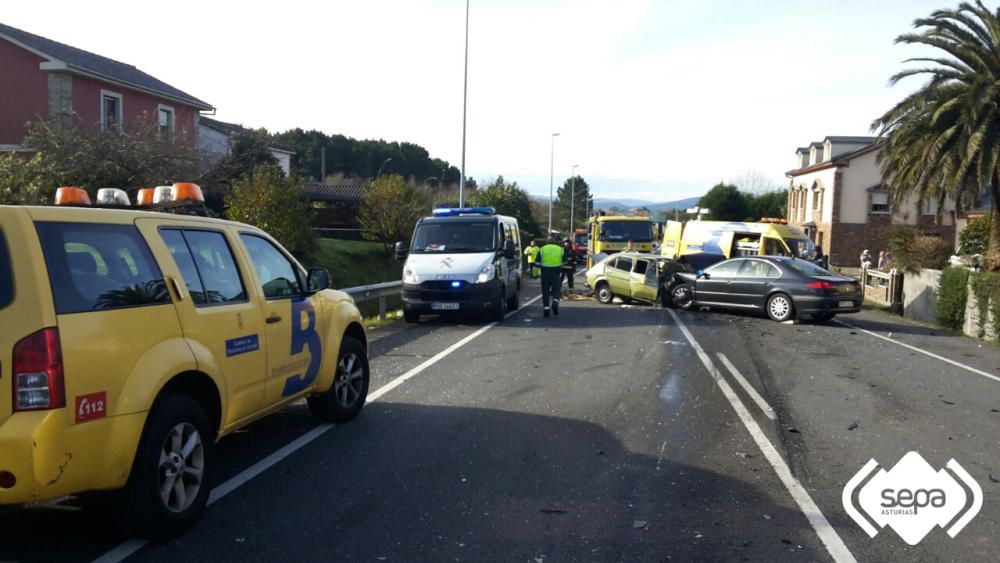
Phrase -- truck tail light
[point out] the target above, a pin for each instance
(38, 372)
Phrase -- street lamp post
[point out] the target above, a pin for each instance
(552, 163)
(465, 96)
(572, 198)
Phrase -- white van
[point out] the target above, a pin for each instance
(462, 260)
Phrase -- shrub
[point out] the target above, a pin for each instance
(913, 251)
(986, 288)
(390, 207)
(952, 295)
(974, 238)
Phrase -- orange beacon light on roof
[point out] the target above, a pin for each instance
(72, 196)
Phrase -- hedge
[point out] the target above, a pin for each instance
(952, 295)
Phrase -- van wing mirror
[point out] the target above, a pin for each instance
(509, 252)
(402, 249)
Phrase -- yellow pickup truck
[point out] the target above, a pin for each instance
(131, 341)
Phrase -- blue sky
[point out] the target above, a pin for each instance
(654, 100)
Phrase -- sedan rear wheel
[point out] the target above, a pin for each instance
(780, 308)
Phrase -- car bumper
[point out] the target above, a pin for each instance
(471, 298)
(50, 458)
(828, 304)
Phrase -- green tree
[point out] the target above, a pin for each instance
(579, 189)
(944, 138)
(267, 199)
(133, 158)
(250, 149)
(725, 203)
(975, 236)
(508, 199)
(767, 204)
(390, 207)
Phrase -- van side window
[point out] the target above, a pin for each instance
(277, 275)
(6, 276)
(98, 267)
(216, 267)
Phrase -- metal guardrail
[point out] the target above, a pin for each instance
(379, 291)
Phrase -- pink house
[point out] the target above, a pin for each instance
(45, 79)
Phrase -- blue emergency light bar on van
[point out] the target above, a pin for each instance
(455, 211)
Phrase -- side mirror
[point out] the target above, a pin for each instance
(703, 274)
(509, 252)
(402, 249)
(318, 279)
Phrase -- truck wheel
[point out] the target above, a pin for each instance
(604, 294)
(345, 397)
(411, 317)
(170, 480)
(780, 308)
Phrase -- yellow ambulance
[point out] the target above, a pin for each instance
(769, 237)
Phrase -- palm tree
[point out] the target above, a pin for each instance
(944, 139)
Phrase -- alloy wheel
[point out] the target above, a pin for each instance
(181, 467)
(350, 378)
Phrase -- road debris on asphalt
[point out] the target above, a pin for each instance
(637, 524)
(852, 426)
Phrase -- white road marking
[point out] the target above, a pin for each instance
(130, 547)
(924, 352)
(827, 534)
(761, 403)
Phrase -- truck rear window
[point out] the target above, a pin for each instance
(6, 275)
(94, 267)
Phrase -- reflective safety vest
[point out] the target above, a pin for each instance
(532, 253)
(552, 256)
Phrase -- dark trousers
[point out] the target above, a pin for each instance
(567, 274)
(551, 286)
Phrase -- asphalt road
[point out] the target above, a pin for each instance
(600, 435)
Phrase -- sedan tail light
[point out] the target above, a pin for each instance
(820, 285)
(38, 372)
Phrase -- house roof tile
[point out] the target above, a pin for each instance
(94, 64)
(333, 193)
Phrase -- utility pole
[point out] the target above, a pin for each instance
(572, 199)
(465, 97)
(552, 164)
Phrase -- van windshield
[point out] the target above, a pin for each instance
(635, 231)
(455, 236)
(6, 276)
(801, 247)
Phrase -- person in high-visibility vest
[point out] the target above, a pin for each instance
(532, 253)
(551, 259)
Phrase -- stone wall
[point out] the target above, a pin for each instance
(919, 295)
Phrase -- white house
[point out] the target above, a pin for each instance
(836, 193)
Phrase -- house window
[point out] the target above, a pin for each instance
(165, 122)
(111, 111)
(817, 200)
(930, 207)
(880, 202)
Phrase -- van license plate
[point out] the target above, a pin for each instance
(444, 306)
(847, 303)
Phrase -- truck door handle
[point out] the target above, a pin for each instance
(273, 319)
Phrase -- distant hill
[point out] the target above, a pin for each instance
(678, 204)
(604, 203)
(628, 204)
